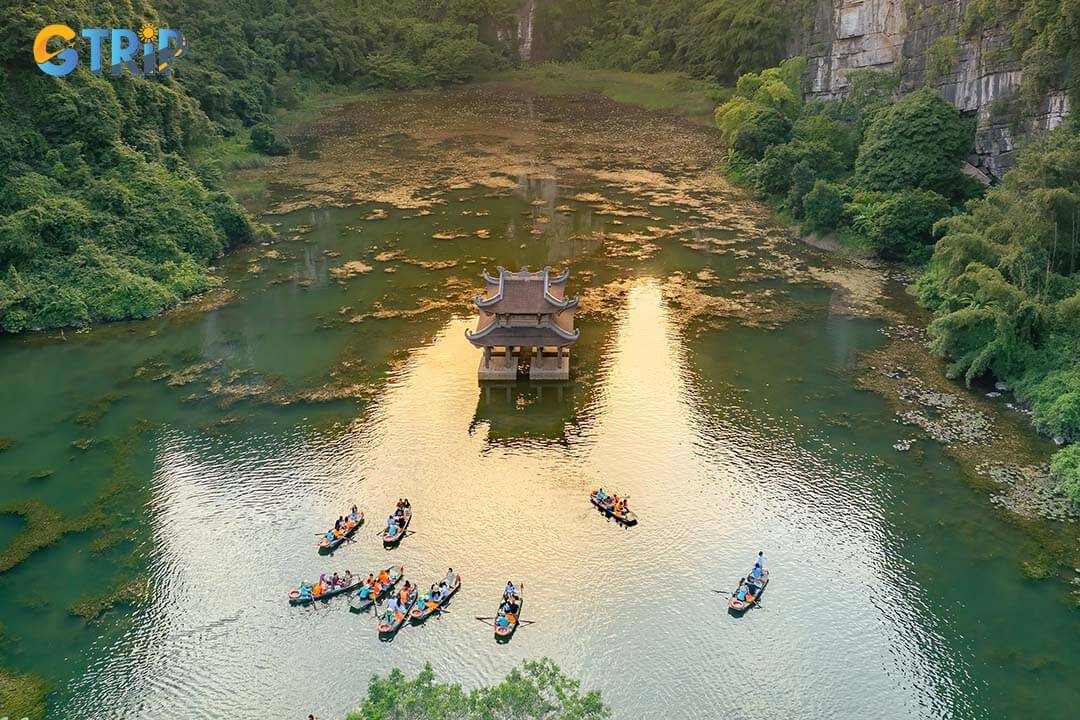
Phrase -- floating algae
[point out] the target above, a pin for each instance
(349, 270)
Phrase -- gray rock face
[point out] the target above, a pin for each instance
(923, 42)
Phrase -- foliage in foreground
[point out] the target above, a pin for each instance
(536, 691)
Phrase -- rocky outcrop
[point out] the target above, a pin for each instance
(922, 41)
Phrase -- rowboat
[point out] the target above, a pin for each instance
(389, 541)
(387, 629)
(328, 546)
(505, 632)
(740, 606)
(360, 604)
(297, 598)
(422, 612)
(627, 518)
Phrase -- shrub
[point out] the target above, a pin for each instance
(820, 127)
(917, 142)
(1065, 469)
(762, 128)
(772, 176)
(900, 226)
(803, 176)
(265, 141)
(823, 207)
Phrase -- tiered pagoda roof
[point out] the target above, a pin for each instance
(526, 309)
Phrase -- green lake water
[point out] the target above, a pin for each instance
(713, 383)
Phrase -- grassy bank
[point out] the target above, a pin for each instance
(665, 91)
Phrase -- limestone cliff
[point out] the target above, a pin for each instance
(923, 42)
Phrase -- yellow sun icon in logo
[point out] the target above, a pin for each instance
(147, 32)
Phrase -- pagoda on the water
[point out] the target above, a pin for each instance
(525, 311)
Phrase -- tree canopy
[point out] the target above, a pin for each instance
(536, 691)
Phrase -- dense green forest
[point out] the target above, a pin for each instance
(718, 39)
(105, 215)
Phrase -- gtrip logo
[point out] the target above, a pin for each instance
(160, 49)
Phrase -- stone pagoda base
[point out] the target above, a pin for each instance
(497, 369)
(549, 366)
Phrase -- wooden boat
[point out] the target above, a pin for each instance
(296, 598)
(740, 606)
(387, 629)
(328, 546)
(359, 604)
(627, 518)
(392, 541)
(505, 632)
(422, 612)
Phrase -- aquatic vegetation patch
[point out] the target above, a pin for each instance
(1029, 490)
(998, 453)
(93, 415)
(134, 592)
(760, 308)
(44, 526)
(22, 695)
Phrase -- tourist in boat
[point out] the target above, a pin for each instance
(305, 590)
(391, 609)
(384, 578)
(756, 573)
(330, 536)
(403, 596)
(335, 580)
(510, 590)
(510, 611)
(408, 506)
(391, 526)
(600, 495)
(444, 589)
